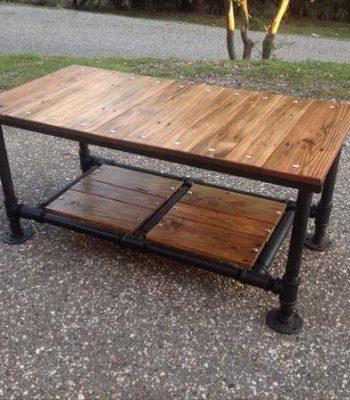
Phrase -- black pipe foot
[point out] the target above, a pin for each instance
(273, 322)
(9, 238)
(322, 245)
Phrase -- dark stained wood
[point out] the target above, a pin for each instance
(137, 181)
(265, 136)
(218, 224)
(233, 222)
(236, 204)
(124, 195)
(207, 240)
(115, 198)
(99, 211)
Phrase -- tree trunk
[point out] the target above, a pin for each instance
(268, 44)
(247, 42)
(230, 30)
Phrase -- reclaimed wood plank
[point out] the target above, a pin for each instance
(232, 221)
(43, 97)
(207, 240)
(310, 147)
(136, 181)
(121, 194)
(238, 204)
(41, 86)
(76, 100)
(191, 123)
(219, 224)
(102, 212)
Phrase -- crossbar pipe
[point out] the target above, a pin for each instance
(245, 276)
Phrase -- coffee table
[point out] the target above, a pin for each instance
(291, 142)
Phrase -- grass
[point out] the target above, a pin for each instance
(322, 80)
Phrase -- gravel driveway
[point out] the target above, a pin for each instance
(44, 31)
(81, 319)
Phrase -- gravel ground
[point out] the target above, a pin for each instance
(44, 31)
(82, 319)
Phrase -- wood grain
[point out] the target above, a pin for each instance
(115, 198)
(265, 136)
(207, 240)
(309, 148)
(219, 224)
(137, 181)
(242, 205)
(99, 211)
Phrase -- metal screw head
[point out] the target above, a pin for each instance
(208, 89)
(28, 112)
(296, 165)
(160, 225)
(142, 137)
(172, 188)
(84, 124)
(268, 230)
(177, 142)
(295, 101)
(189, 192)
(247, 156)
(264, 97)
(332, 107)
(113, 130)
(278, 212)
(255, 250)
(182, 86)
(140, 219)
(211, 149)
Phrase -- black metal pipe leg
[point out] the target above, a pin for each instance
(286, 319)
(85, 157)
(15, 233)
(319, 240)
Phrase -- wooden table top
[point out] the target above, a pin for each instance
(264, 136)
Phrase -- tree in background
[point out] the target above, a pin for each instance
(230, 15)
(268, 44)
(230, 37)
(247, 42)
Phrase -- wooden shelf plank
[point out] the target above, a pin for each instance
(219, 224)
(135, 180)
(114, 198)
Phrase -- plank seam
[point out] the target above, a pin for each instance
(154, 219)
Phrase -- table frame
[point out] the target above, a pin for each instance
(285, 319)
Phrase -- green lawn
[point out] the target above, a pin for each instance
(324, 80)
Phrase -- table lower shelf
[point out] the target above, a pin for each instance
(217, 224)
